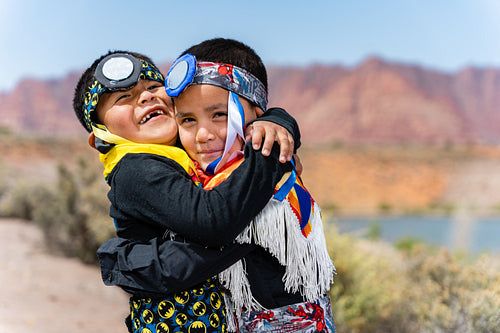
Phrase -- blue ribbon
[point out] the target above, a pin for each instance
(287, 186)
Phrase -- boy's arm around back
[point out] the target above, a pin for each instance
(162, 266)
(154, 189)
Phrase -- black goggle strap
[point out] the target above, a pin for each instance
(104, 139)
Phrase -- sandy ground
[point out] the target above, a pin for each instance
(43, 293)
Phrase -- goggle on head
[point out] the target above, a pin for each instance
(187, 71)
(118, 71)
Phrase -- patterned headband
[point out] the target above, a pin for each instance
(186, 71)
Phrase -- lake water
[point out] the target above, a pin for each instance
(460, 232)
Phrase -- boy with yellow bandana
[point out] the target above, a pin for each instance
(121, 100)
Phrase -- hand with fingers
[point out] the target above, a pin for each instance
(271, 132)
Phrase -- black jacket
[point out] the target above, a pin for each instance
(151, 193)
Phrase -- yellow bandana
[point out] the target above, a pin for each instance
(111, 158)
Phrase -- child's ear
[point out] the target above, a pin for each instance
(258, 111)
(92, 140)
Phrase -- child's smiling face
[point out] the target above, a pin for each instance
(141, 114)
(201, 113)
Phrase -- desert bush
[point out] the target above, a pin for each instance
(381, 289)
(368, 294)
(453, 296)
(73, 213)
(21, 199)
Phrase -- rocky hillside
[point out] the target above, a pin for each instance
(376, 102)
(380, 102)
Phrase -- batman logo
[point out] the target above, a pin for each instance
(215, 300)
(146, 330)
(197, 327)
(162, 328)
(166, 309)
(137, 323)
(181, 319)
(147, 300)
(199, 308)
(198, 291)
(214, 320)
(181, 297)
(224, 328)
(148, 316)
(137, 304)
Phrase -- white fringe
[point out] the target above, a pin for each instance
(308, 267)
(235, 280)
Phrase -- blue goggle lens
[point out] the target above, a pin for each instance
(180, 75)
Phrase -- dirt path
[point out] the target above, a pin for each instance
(42, 293)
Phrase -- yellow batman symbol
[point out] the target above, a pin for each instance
(162, 328)
(215, 300)
(197, 327)
(181, 319)
(147, 300)
(146, 330)
(181, 297)
(137, 323)
(137, 304)
(166, 309)
(214, 320)
(198, 291)
(199, 308)
(147, 316)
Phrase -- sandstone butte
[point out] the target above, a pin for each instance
(445, 127)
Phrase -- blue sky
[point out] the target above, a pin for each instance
(47, 39)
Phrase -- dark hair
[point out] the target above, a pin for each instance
(86, 80)
(230, 51)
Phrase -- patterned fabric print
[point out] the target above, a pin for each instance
(301, 317)
(196, 310)
(91, 99)
(302, 205)
(95, 90)
(232, 78)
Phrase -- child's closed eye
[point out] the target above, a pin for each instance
(121, 97)
(155, 86)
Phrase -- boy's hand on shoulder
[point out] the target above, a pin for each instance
(271, 132)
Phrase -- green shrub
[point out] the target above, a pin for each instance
(21, 200)
(374, 230)
(367, 295)
(380, 289)
(453, 296)
(408, 244)
(384, 207)
(73, 213)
